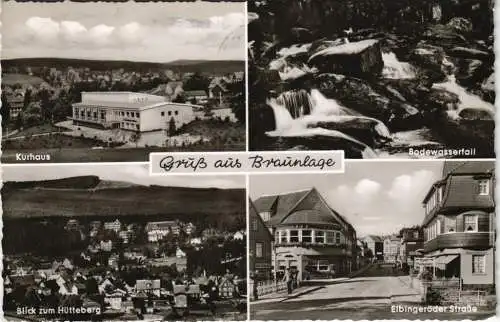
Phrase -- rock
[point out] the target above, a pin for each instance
(361, 129)
(469, 53)
(300, 35)
(362, 58)
(445, 36)
(476, 114)
(470, 72)
(488, 89)
(460, 25)
(322, 44)
(430, 60)
(362, 97)
(316, 143)
(442, 100)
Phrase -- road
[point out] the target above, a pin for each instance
(367, 297)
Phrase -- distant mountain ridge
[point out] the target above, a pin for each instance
(89, 196)
(217, 67)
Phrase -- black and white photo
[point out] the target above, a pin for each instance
(382, 241)
(90, 82)
(375, 78)
(109, 242)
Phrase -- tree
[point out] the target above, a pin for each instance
(135, 138)
(197, 82)
(171, 127)
(27, 98)
(5, 110)
(237, 101)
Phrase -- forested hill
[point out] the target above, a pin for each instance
(184, 66)
(89, 196)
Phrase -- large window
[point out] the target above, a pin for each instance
(484, 187)
(258, 250)
(337, 238)
(319, 237)
(284, 236)
(294, 236)
(470, 223)
(330, 237)
(478, 264)
(306, 236)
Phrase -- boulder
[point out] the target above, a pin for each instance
(367, 100)
(442, 100)
(469, 53)
(429, 59)
(488, 88)
(460, 25)
(444, 35)
(470, 72)
(322, 44)
(476, 114)
(300, 35)
(362, 59)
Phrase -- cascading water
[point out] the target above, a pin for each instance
(297, 113)
(395, 69)
(467, 101)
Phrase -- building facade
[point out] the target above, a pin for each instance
(261, 245)
(137, 112)
(375, 245)
(412, 244)
(459, 223)
(309, 236)
(391, 249)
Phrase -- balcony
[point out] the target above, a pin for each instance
(460, 240)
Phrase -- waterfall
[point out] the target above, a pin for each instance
(395, 69)
(297, 113)
(467, 101)
(298, 102)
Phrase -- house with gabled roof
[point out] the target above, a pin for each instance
(261, 244)
(459, 224)
(309, 235)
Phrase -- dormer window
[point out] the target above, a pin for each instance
(484, 187)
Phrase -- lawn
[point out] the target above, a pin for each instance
(39, 129)
(52, 141)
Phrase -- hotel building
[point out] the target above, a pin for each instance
(309, 235)
(130, 111)
(459, 223)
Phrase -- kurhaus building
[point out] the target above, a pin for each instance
(459, 225)
(130, 111)
(309, 236)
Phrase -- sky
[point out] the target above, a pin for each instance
(134, 173)
(147, 31)
(375, 197)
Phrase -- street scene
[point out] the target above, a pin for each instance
(83, 84)
(375, 78)
(394, 240)
(107, 242)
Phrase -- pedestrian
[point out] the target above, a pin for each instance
(288, 279)
(256, 286)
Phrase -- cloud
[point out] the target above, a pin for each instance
(215, 37)
(45, 28)
(405, 187)
(367, 188)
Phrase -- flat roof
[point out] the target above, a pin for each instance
(133, 106)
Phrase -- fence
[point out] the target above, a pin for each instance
(268, 287)
(444, 283)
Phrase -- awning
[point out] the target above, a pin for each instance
(442, 261)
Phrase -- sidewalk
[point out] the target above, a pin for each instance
(283, 295)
